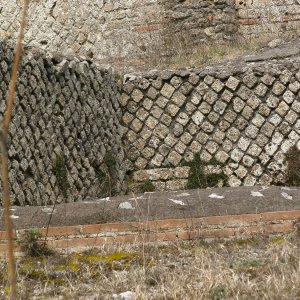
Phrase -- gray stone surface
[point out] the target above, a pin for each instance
(154, 206)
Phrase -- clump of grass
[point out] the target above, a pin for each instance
(217, 293)
(147, 186)
(198, 178)
(293, 167)
(212, 52)
(33, 244)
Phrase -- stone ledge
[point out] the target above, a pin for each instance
(74, 238)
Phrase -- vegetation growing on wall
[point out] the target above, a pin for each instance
(293, 166)
(147, 186)
(198, 178)
(106, 175)
(61, 174)
(33, 244)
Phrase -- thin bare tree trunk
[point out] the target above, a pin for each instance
(3, 145)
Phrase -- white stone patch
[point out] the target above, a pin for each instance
(215, 196)
(177, 201)
(298, 145)
(14, 217)
(286, 196)
(48, 210)
(13, 209)
(288, 189)
(126, 205)
(183, 195)
(256, 194)
(136, 198)
(104, 199)
(124, 296)
(263, 188)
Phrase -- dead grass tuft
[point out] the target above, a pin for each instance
(212, 53)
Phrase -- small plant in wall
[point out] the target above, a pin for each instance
(106, 175)
(198, 175)
(147, 186)
(293, 166)
(61, 174)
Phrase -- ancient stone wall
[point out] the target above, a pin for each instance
(65, 136)
(268, 17)
(242, 118)
(136, 34)
(126, 34)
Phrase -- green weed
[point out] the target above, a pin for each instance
(197, 177)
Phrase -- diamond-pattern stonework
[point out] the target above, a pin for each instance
(67, 120)
(72, 111)
(246, 121)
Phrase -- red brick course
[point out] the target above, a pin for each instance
(147, 28)
(86, 236)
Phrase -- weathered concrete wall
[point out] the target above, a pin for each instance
(261, 17)
(243, 115)
(128, 33)
(65, 128)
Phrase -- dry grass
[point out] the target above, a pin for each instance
(260, 268)
(213, 52)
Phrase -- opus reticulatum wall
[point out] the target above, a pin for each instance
(133, 34)
(242, 117)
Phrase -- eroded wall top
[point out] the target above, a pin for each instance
(127, 34)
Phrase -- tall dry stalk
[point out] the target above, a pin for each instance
(3, 145)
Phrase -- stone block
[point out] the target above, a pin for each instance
(152, 93)
(181, 172)
(236, 155)
(137, 95)
(227, 96)
(288, 97)
(176, 82)
(278, 88)
(232, 83)
(178, 98)
(174, 185)
(210, 97)
(268, 79)
(212, 169)
(238, 104)
(167, 90)
(217, 86)
(261, 90)
(174, 158)
(250, 80)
